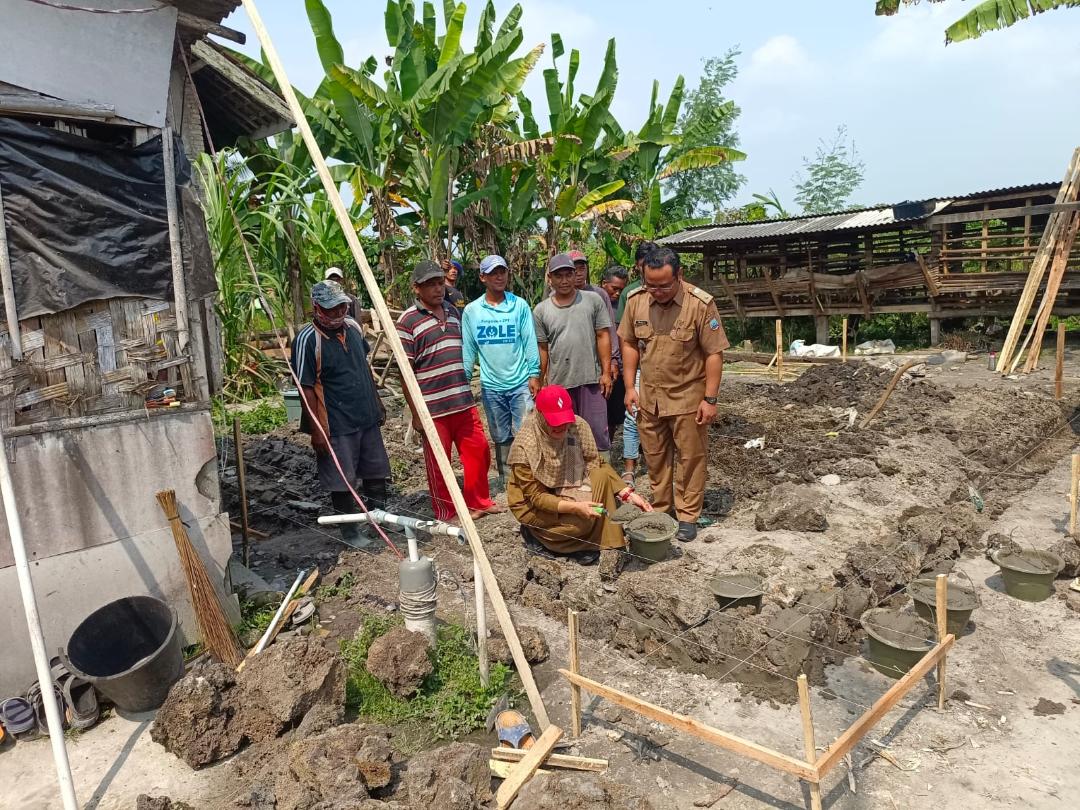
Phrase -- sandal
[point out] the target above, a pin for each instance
(514, 730)
(33, 695)
(81, 701)
(17, 716)
(628, 478)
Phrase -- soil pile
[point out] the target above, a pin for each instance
(455, 777)
(859, 385)
(400, 660)
(578, 791)
(533, 644)
(794, 508)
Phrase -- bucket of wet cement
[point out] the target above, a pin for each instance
(734, 589)
(896, 641)
(960, 602)
(650, 535)
(1029, 573)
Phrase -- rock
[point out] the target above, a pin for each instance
(792, 507)
(400, 661)
(1046, 707)
(830, 480)
(611, 565)
(1069, 550)
(578, 791)
(197, 722)
(145, 802)
(857, 468)
(285, 682)
(533, 644)
(452, 778)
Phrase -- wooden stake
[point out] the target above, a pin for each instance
(575, 691)
(1074, 493)
(564, 761)
(348, 229)
(779, 350)
(245, 530)
(942, 631)
(481, 623)
(843, 341)
(809, 745)
(721, 739)
(525, 769)
(1059, 366)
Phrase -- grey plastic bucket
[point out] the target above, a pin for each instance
(896, 641)
(1029, 574)
(960, 603)
(734, 589)
(650, 535)
(130, 651)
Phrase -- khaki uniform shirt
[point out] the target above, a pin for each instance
(673, 340)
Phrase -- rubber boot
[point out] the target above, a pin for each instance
(344, 504)
(502, 453)
(375, 493)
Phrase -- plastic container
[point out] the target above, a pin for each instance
(130, 651)
(650, 536)
(1029, 574)
(734, 589)
(294, 409)
(896, 641)
(960, 603)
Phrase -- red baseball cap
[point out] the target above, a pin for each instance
(578, 256)
(554, 403)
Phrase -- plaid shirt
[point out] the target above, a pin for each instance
(434, 352)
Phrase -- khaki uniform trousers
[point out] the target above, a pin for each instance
(663, 438)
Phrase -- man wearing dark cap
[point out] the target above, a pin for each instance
(573, 330)
(329, 357)
(430, 331)
(452, 270)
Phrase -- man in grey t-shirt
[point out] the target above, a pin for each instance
(573, 330)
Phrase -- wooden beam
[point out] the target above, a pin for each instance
(769, 357)
(502, 768)
(850, 738)
(239, 76)
(731, 294)
(941, 589)
(575, 691)
(681, 722)
(193, 23)
(772, 289)
(1026, 211)
(34, 104)
(931, 284)
(1059, 363)
(809, 746)
(863, 297)
(408, 378)
(525, 769)
(564, 761)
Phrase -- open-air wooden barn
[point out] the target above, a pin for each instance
(948, 257)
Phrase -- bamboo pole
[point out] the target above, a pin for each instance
(10, 311)
(843, 341)
(1074, 493)
(1059, 363)
(575, 667)
(942, 631)
(245, 529)
(809, 745)
(37, 638)
(779, 350)
(408, 378)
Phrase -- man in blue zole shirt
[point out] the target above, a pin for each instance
(498, 330)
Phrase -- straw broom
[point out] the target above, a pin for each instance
(216, 631)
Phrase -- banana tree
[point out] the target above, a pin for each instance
(990, 15)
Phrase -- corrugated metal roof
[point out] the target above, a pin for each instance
(858, 219)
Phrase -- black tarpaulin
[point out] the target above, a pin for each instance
(86, 220)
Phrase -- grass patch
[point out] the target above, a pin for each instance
(264, 417)
(255, 617)
(342, 587)
(451, 702)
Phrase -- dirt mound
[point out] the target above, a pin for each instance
(400, 660)
(859, 385)
(794, 508)
(452, 778)
(211, 712)
(532, 642)
(578, 791)
(145, 802)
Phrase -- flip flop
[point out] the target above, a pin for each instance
(514, 730)
(34, 696)
(17, 716)
(81, 701)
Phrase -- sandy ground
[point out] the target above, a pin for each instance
(989, 747)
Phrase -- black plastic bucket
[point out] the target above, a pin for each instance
(130, 651)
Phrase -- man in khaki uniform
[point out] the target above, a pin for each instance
(673, 330)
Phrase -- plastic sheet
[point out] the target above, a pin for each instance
(86, 220)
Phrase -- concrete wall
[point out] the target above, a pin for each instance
(94, 530)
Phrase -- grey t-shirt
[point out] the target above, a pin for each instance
(570, 334)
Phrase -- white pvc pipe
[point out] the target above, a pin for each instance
(414, 549)
(380, 516)
(277, 616)
(37, 640)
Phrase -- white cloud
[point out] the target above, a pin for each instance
(781, 59)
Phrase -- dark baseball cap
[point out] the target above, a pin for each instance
(425, 271)
(560, 261)
(329, 294)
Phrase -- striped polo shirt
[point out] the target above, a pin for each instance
(435, 354)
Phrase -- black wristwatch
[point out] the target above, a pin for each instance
(710, 400)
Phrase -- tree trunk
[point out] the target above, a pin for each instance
(294, 269)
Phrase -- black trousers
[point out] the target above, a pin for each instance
(616, 410)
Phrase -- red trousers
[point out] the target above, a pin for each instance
(464, 431)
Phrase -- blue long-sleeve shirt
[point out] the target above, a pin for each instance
(503, 338)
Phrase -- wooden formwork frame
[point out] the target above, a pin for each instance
(814, 768)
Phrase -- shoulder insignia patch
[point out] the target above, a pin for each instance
(640, 289)
(699, 294)
(714, 324)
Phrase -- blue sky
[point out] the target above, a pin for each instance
(927, 120)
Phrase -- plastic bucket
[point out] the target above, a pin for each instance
(960, 603)
(734, 589)
(293, 407)
(650, 535)
(1029, 574)
(130, 651)
(896, 641)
